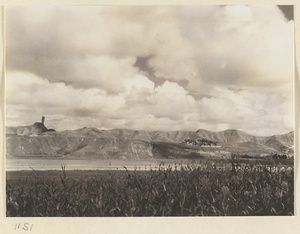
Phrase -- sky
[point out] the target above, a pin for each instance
(151, 67)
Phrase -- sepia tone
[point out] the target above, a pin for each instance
(149, 111)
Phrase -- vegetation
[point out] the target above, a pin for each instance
(195, 189)
(199, 142)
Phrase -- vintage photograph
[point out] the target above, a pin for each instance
(141, 111)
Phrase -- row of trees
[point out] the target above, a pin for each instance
(199, 142)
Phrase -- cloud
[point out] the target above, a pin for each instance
(180, 67)
(237, 45)
(37, 97)
(240, 46)
(250, 111)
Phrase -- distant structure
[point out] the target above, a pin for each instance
(38, 128)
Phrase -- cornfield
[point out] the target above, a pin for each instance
(190, 190)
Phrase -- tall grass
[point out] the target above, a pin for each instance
(190, 190)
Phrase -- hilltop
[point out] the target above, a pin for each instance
(37, 128)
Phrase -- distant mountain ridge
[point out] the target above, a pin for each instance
(136, 144)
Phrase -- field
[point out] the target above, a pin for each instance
(200, 188)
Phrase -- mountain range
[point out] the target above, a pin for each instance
(37, 140)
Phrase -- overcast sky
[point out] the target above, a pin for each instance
(151, 68)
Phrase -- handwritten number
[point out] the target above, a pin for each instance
(26, 226)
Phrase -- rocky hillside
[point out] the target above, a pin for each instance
(36, 129)
(133, 144)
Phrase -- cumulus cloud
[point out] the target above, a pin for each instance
(146, 67)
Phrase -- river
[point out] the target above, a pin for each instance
(18, 164)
